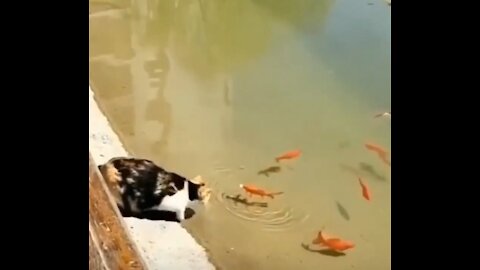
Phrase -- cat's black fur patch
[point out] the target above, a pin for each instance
(160, 215)
(193, 191)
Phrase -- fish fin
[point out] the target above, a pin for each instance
(319, 241)
(320, 238)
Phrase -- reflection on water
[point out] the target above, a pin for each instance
(219, 88)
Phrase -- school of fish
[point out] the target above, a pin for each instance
(329, 243)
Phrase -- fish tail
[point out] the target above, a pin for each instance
(278, 159)
(383, 157)
(387, 162)
(274, 194)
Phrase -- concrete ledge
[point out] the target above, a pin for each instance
(110, 245)
(162, 245)
(95, 260)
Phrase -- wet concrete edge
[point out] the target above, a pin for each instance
(162, 244)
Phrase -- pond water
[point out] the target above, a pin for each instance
(220, 88)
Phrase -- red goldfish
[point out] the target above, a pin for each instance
(382, 153)
(365, 190)
(289, 155)
(335, 244)
(253, 190)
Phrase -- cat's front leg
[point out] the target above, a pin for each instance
(180, 215)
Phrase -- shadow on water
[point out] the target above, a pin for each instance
(237, 199)
(327, 252)
(350, 169)
(269, 170)
(343, 144)
(363, 169)
(161, 215)
(343, 212)
(368, 168)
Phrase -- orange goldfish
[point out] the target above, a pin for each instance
(375, 148)
(253, 190)
(335, 244)
(365, 190)
(289, 155)
(381, 152)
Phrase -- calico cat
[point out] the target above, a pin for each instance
(139, 185)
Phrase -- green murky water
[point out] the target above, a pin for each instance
(219, 88)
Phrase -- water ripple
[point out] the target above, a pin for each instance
(269, 214)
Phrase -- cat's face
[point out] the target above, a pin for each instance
(200, 192)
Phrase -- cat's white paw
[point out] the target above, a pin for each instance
(181, 215)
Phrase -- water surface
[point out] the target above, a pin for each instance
(219, 88)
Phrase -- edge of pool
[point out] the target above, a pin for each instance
(175, 248)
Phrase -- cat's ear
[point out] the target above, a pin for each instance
(198, 180)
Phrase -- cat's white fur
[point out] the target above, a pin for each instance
(177, 203)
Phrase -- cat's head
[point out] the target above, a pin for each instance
(198, 191)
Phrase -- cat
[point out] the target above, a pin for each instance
(139, 185)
